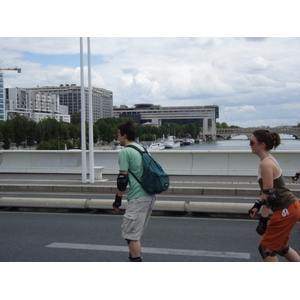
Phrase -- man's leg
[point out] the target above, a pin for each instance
(136, 218)
(135, 250)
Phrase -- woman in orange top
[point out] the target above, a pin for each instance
(276, 197)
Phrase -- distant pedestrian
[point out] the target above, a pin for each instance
(140, 203)
(296, 177)
(275, 196)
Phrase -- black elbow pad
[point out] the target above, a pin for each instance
(271, 197)
(122, 182)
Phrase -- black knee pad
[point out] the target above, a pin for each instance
(283, 251)
(264, 254)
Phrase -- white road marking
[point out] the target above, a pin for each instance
(239, 255)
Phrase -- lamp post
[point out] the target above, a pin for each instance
(91, 129)
(83, 138)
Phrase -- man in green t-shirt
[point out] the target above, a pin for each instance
(140, 203)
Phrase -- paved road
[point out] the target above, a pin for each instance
(92, 237)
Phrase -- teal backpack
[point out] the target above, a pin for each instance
(154, 179)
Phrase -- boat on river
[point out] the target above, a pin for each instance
(171, 142)
(156, 146)
(188, 141)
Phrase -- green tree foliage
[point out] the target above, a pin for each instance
(31, 132)
(50, 134)
(108, 128)
(20, 125)
(7, 134)
(54, 144)
(224, 125)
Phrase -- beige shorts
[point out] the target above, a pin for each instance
(136, 217)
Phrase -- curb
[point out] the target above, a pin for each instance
(172, 206)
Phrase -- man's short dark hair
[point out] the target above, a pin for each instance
(128, 128)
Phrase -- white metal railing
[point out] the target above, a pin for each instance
(174, 162)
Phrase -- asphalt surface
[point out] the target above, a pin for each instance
(64, 237)
(94, 235)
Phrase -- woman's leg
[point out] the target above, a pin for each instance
(292, 256)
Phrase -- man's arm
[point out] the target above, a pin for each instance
(122, 182)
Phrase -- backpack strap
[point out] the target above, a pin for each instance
(139, 150)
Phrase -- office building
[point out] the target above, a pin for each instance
(34, 105)
(70, 96)
(157, 115)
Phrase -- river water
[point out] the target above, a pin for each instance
(288, 142)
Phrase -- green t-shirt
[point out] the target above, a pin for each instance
(131, 159)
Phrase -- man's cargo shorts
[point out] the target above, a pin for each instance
(136, 217)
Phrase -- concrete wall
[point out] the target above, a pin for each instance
(174, 162)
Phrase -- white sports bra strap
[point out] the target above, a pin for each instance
(259, 175)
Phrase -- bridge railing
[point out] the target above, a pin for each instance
(174, 162)
(276, 129)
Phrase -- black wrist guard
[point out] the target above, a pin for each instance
(262, 225)
(296, 177)
(118, 201)
(257, 205)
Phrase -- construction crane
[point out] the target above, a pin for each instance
(12, 69)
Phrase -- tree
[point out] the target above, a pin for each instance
(96, 133)
(51, 129)
(8, 133)
(64, 133)
(20, 129)
(40, 132)
(31, 132)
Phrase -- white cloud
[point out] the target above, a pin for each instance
(250, 79)
(293, 85)
(256, 65)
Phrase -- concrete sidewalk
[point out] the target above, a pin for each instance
(194, 185)
(216, 186)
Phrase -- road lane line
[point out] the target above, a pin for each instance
(185, 252)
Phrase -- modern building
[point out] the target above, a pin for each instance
(2, 103)
(70, 96)
(34, 105)
(157, 115)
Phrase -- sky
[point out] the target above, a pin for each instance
(251, 74)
